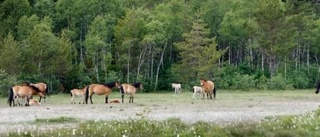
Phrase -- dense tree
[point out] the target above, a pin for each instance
(198, 53)
(69, 43)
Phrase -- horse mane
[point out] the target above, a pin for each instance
(26, 83)
(136, 85)
(203, 79)
(34, 88)
(110, 84)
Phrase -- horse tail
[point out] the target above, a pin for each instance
(47, 91)
(214, 92)
(87, 94)
(10, 97)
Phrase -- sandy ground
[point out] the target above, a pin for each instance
(217, 111)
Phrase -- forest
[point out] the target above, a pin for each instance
(239, 44)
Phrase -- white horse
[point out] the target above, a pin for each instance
(177, 87)
(197, 90)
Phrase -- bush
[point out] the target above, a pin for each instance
(6, 82)
(278, 83)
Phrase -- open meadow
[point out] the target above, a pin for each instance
(229, 107)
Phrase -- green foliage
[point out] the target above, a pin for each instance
(6, 82)
(124, 40)
(278, 82)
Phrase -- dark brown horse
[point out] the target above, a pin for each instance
(130, 89)
(208, 88)
(100, 89)
(25, 92)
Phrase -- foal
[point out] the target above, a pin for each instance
(78, 93)
(177, 87)
(129, 89)
(197, 90)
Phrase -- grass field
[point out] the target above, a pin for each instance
(164, 111)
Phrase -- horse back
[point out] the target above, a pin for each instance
(128, 88)
(41, 86)
(99, 89)
(77, 92)
(22, 91)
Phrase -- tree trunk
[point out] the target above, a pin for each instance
(141, 60)
(158, 67)
(128, 66)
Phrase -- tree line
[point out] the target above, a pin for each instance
(239, 44)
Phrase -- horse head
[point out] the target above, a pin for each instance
(138, 85)
(112, 84)
(202, 81)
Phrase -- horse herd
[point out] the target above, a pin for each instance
(26, 91)
(206, 88)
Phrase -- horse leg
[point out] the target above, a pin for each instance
(40, 98)
(106, 99)
(122, 96)
(91, 98)
(132, 98)
(27, 101)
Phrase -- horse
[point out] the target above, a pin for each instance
(115, 101)
(42, 87)
(208, 87)
(130, 89)
(25, 92)
(34, 102)
(177, 87)
(100, 89)
(317, 84)
(197, 90)
(78, 93)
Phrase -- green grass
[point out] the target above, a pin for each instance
(284, 126)
(57, 120)
(281, 126)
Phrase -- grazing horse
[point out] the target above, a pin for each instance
(197, 90)
(100, 89)
(25, 92)
(208, 87)
(317, 84)
(177, 87)
(78, 93)
(42, 87)
(130, 89)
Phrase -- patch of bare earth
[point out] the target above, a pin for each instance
(213, 111)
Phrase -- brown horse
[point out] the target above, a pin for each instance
(100, 89)
(130, 89)
(42, 87)
(34, 102)
(208, 87)
(78, 93)
(25, 92)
